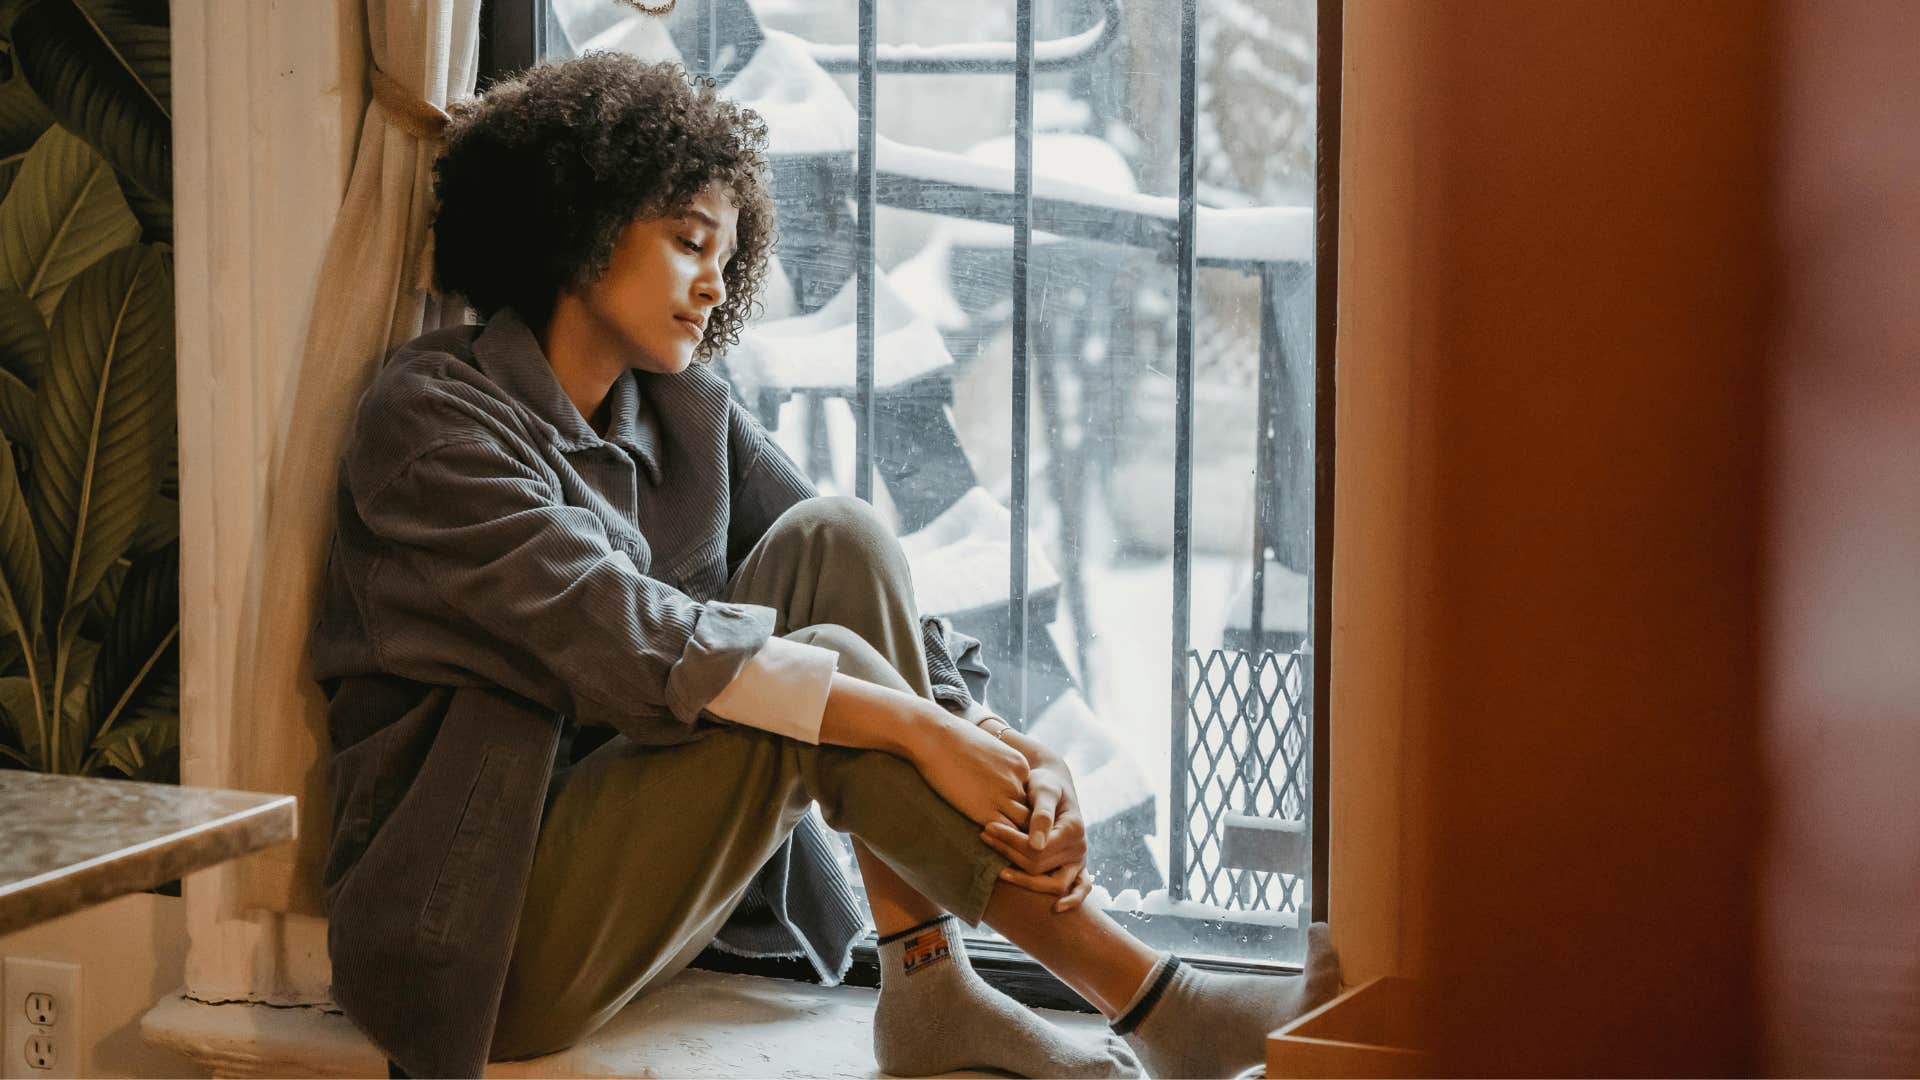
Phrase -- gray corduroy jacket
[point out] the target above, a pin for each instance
(500, 575)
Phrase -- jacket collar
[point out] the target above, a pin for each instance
(508, 353)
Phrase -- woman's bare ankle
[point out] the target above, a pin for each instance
(1084, 947)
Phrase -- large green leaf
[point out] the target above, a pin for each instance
(96, 620)
(77, 663)
(22, 116)
(23, 337)
(9, 168)
(63, 213)
(102, 68)
(21, 581)
(144, 746)
(154, 214)
(159, 528)
(23, 356)
(139, 660)
(22, 120)
(108, 384)
(19, 702)
(16, 409)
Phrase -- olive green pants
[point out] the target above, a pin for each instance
(647, 850)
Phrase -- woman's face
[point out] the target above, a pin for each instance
(663, 282)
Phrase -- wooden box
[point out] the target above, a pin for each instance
(1372, 1030)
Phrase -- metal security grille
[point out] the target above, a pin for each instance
(1247, 767)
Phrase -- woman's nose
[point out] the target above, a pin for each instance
(711, 287)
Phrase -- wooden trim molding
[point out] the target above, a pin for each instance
(267, 102)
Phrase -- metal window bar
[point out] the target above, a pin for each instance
(864, 255)
(1326, 259)
(1017, 606)
(1183, 456)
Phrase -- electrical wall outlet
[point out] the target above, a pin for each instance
(40, 1024)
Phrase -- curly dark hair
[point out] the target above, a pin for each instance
(542, 173)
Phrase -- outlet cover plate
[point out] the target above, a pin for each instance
(21, 977)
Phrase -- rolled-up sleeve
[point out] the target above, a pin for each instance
(782, 689)
(485, 534)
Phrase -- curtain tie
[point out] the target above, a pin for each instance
(417, 117)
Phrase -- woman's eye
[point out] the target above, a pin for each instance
(693, 246)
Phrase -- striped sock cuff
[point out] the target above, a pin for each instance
(1151, 988)
(897, 935)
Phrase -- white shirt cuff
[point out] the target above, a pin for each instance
(783, 689)
(973, 713)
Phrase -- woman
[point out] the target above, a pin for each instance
(565, 507)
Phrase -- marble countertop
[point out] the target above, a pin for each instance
(73, 841)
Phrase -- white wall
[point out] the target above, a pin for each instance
(131, 950)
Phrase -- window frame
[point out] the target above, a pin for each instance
(513, 35)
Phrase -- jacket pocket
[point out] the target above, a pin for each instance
(451, 896)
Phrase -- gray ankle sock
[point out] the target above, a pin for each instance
(936, 1015)
(1191, 1023)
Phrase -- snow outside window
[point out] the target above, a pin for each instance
(1102, 391)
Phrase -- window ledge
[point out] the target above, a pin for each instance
(701, 1023)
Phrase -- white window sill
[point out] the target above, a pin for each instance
(702, 1023)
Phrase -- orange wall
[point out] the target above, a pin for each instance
(1559, 266)
(1626, 685)
(1597, 345)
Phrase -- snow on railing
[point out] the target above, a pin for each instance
(1252, 234)
(975, 57)
(808, 115)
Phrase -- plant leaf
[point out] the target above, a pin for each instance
(23, 337)
(154, 214)
(139, 663)
(22, 120)
(63, 213)
(17, 700)
(75, 734)
(109, 381)
(96, 620)
(159, 528)
(22, 116)
(21, 585)
(16, 409)
(102, 67)
(139, 747)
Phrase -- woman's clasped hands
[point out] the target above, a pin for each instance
(1021, 793)
(1049, 855)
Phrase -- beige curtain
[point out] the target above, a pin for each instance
(370, 299)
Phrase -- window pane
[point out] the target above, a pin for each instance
(1101, 392)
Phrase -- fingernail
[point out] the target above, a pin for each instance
(1037, 841)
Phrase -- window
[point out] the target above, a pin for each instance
(1125, 494)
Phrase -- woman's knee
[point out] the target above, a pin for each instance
(858, 657)
(848, 526)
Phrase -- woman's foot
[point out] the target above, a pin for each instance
(936, 1015)
(1191, 1023)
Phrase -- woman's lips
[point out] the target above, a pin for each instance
(693, 328)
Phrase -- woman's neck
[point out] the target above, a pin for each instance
(585, 363)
